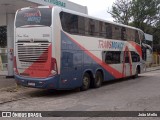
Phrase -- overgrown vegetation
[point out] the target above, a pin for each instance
(143, 14)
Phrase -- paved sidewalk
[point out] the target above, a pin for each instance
(6, 82)
(153, 68)
(10, 82)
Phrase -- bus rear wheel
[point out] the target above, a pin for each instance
(98, 80)
(136, 74)
(86, 82)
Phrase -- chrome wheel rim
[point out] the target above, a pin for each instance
(85, 81)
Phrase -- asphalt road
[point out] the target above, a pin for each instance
(140, 94)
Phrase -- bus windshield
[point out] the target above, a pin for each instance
(34, 16)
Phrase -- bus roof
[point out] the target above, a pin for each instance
(85, 15)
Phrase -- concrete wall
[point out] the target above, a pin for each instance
(10, 42)
(2, 19)
(65, 4)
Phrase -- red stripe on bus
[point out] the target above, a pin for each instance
(124, 62)
(40, 70)
(108, 68)
(137, 47)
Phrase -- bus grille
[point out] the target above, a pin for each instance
(33, 53)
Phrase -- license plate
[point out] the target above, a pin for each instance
(31, 84)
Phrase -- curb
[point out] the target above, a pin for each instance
(153, 69)
(14, 86)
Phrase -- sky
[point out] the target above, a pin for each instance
(97, 8)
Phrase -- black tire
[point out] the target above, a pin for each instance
(97, 82)
(85, 82)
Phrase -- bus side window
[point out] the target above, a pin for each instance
(108, 58)
(123, 34)
(81, 25)
(111, 57)
(69, 22)
(126, 57)
(116, 32)
(135, 57)
(132, 35)
(91, 27)
(101, 30)
(74, 24)
(137, 40)
(142, 40)
(116, 57)
(108, 31)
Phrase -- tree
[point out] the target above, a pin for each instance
(145, 12)
(156, 32)
(121, 11)
(146, 16)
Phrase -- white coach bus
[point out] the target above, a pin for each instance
(56, 48)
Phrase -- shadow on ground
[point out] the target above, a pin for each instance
(62, 93)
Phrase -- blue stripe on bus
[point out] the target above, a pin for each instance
(74, 63)
(44, 83)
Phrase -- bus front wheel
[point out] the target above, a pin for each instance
(85, 82)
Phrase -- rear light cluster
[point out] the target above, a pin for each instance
(54, 70)
(15, 66)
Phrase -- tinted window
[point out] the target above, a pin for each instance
(69, 22)
(126, 56)
(130, 34)
(116, 32)
(123, 34)
(81, 25)
(111, 57)
(34, 16)
(108, 31)
(137, 40)
(92, 27)
(144, 53)
(141, 36)
(135, 57)
(75, 24)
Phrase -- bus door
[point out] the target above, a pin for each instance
(127, 64)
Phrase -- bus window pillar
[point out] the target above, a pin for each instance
(10, 42)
